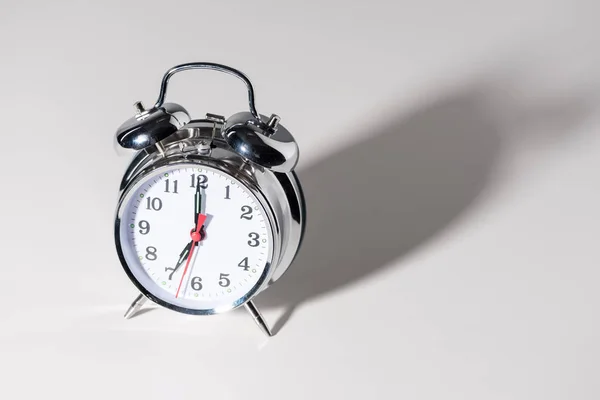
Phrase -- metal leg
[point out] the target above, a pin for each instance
(135, 306)
(258, 318)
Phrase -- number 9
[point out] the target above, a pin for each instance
(144, 227)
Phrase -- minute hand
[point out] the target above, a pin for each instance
(197, 201)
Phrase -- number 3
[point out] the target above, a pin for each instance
(253, 242)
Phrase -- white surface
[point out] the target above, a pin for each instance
(450, 155)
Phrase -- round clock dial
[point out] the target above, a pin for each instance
(195, 238)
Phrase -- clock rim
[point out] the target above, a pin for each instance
(252, 187)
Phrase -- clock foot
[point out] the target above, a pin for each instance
(135, 306)
(258, 318)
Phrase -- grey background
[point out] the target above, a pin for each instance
(449, 154)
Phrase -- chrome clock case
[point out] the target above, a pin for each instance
(252, 148)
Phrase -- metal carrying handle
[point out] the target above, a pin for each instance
(207, 65)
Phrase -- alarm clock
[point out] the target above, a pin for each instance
(210, 211)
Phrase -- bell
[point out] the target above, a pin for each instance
(149, 127)
(264, 142)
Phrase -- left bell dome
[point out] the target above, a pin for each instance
(149, 127)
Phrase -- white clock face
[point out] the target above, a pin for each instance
(195, 238)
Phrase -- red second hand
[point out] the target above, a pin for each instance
(196, 237)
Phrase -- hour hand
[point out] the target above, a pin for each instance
(182, 258)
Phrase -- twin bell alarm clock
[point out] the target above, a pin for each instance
(210, 210)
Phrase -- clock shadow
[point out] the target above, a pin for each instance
(404, 183)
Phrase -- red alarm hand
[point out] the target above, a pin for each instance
(196, 237)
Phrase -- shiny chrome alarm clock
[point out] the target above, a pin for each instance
(210, 211)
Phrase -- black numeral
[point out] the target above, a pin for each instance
(167, 184)
(196, 283)
(202, 181)
(144, 227)
(246, 212)
(224, 281)
(244, 264)
(153, 203)
(253, 242)
(172, 272)
(151, 253)
(227, 193)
